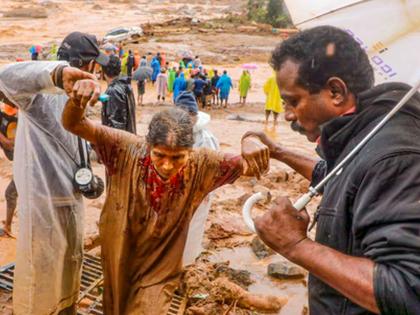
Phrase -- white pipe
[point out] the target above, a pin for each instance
(246, 210)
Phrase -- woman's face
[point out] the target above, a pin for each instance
(169, 161)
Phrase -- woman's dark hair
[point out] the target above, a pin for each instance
(323, 52)
(113, 68)
(171, 127)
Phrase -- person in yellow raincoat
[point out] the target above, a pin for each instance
(273, 102)
(244, 86)
(210, 74)
(124, 60)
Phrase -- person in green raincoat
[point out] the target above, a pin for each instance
(244, 86)
(171, 79)
(52, 55)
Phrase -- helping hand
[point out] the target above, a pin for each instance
(282, 228)
(263, 138)
(85, 92)
(71, 75)
(256, 156)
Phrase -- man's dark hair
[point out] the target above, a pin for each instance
(323, 52)
(113, 68)
(171, 127)
(224, 72)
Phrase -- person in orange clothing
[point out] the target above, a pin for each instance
(8, 124)
(136, 60)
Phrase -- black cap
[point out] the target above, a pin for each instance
(80, 48)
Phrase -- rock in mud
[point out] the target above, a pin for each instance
(260, 249)
(279, 177)
(217, 232)
(239, 277)
(236, 117)
(285, 270)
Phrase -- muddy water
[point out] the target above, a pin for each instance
(99, 16)
(242, 258)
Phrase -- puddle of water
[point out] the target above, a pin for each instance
(243, 258)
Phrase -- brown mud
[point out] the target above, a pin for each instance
(228, 278)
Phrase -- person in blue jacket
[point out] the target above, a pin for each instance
(156, 68)
(180, 85)
(224, 85)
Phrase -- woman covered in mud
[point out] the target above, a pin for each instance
(154, 187)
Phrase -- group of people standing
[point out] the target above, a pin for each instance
(365, 256)
(189, 74)
(210, 89)
(162, 179)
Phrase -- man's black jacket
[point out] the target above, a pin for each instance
(372, 208)
(120, 111)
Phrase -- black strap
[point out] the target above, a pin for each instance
(82, 153)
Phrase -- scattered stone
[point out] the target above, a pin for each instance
(279, 177)
(260, 249)
(240, 277)
(285, 270)
(235, 117)
(217, 232)
(97, 7)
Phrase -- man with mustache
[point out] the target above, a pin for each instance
(366, 255)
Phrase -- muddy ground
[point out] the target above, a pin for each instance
(228, 274)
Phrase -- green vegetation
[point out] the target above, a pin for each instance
(268, 11)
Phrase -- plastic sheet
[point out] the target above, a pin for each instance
(50, 240)
(193, 247)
